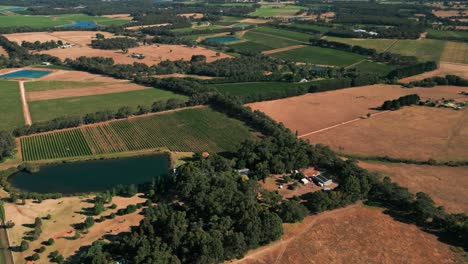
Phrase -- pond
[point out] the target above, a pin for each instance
(32, 74)
(92, 176)
(82, 25)
(222, 39)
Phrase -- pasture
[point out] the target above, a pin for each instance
(443, 34)
(256, 89)
(10, 105)
(199, 129)
(375, 67)
(250, 46)
(15, 20)
(380, 45)
(355, 234)
(275, 11)
(446, 185)
(320, 56)
(330, 108)
(416, 133)
(268, 41)
(322, 29)
(43, 110)
(283, 33)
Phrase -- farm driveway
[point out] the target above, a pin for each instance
(26, 113)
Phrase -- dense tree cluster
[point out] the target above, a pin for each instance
(343, 46)
(7, 144)
(400, 102)
(439, 80)
(114, 43)
(37, 45)
(412, 70)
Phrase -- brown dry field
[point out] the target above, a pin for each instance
(354, 234)
(86, 91)
(446, 185)
(65, 212)
(416, 132)
(455, 52)
(81, 38)
(120, 16)
(145, 26)
(282, 49)
(449, 13)
(79, 76)
(311, 112)
(444, 69)
(255, 20)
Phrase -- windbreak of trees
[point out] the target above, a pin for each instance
(402, 101)
(412, 70)
(438, 80)
(7, 144)
(37, 45)
(114, 43)
(341, 83)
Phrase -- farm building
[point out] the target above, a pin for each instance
(244, 172)
(305, 181)
(322, 180)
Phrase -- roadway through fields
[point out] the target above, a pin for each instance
(340, 124)
(26, 113)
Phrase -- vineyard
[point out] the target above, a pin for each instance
(201, 129)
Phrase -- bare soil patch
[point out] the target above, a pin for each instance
(81, 38)
(145, 26)
(354, 234)
(120, 16)
(449, 13)
(153, 53)
(445, 68)
(255, 20)
(316, 111)
(86, 91)
(446, 185)
(416, 132)
(282, 49)
(79, 76)
(65, 212)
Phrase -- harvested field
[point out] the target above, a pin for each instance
(446, 185)
(456, 52)
(80, 38)
(417, 133)
(316, 111)
(127, 17)
(354, 234)
(255, 20)
(449, 13)
(145, 26)
(444, 69)
(266, 52)
(64, 213)
(85, 91)
(79, 76)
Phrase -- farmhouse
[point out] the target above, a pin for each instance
(321, 180)
(138, 56)
(305, 181)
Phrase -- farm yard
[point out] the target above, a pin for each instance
(65, 212)
(446, 185)
(200, 129)
(355, 234)
(10, 106)
(416, 133)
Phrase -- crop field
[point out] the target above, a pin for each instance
(285, 33)
(375, 67)
(380, 45)
(10, 105)
(425, 178)
(256, 88)
(55, 20)
(432, 33)
(250, 46)
(276, 11)
(416, 133)
(78, 106)
(355, 234)
(271, 42)
(456, 52)
(321, 56)
(444, 69)
(40, 86)
(322, 29)
(190, 29)
(200, 129)
(423, 49)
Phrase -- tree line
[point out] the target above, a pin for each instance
(37, 45)
(396, 104)
(439, 80)
(114, 43)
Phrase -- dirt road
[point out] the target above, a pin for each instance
(5, 246)
(27, 115)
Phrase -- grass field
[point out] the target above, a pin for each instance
(456, 52)
(250, 46)
(432, 33)
(256, 88)
(370, 66)
(57, 85)
(201, 129)
(285, 33)
(380, 45)
(423, 49)
(322, 29)
(56, 20)
(50, 109)
(274, 11)
(322, 56)
(10, 105)
(190, 29)
(269, 41)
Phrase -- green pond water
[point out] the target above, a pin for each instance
(92, 176)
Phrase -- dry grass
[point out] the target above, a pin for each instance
(316, 111)
(417, 132)
(81, 38)
(444, 69)
(127, 17)
(79, 76)
(456, 52)
(255, 20)
(446, 185)
(354, 234)
(65, 212)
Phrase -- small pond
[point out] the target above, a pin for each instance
(222, 39)
(92, 176)
(33, 74)
(82, 25)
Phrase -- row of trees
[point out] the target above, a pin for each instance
(402, 101)
(412, 70)
(439, 80)
(114, 43)
(37, 45)
(7, 144)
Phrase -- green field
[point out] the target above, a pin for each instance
(375, 67)
(274, 11)
(423, 49)
(56, 20)
(10, 105)
(256, 89)
(79, 106)
(322, 29)
(57, 85)
(380, 45)
(285, 33)
(201, 129)
(320, 56)
(190, 29)
(270, 42)
(441, 34)
(250, 46)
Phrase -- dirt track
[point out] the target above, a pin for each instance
(266, 52)
(24, 103)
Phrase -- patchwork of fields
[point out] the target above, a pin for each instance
(201, 129)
